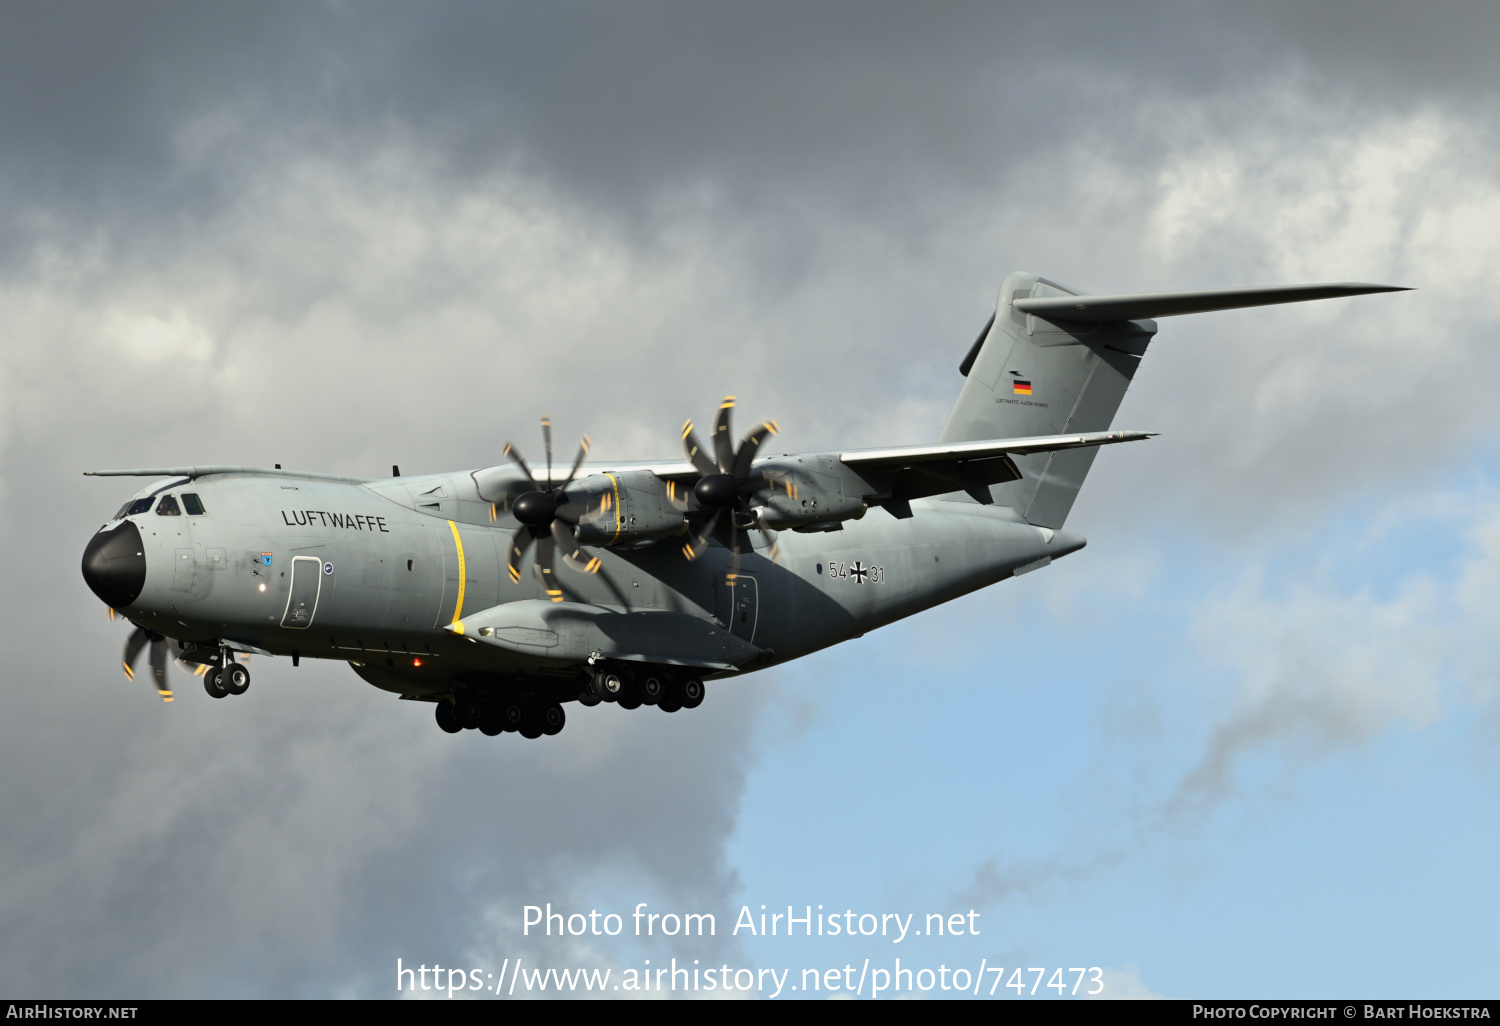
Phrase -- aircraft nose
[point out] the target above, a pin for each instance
(114, 565)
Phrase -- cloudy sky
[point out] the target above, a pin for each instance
(1242, 745)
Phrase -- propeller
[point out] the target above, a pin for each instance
(547, 521)
(724, 489)
(158, 659)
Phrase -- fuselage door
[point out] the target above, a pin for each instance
(739, 606)
(184, 570)
(302, 602)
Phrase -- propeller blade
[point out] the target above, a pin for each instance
(520, 461)
(133, 646)
(749, 445)
(678, 496)
(723, 449)
(583, 450)
(544, 550)
(695, 454)
(519, 543)
(159, 667)
(734, 557)
(773, 550)
(726, 532)
(547, 438)
(696, 547)
(786, 482)
(605, 509)
(572, 554)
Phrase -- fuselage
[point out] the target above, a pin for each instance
(377, 573)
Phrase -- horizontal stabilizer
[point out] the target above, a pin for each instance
(1096, 309)
(946, 452)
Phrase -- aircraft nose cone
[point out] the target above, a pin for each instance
(114, 565)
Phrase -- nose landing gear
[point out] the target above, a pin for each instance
(228, 678)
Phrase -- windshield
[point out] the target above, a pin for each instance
(135, 506)
(168, 507)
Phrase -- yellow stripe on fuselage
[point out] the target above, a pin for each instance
(619, 524)
(458, 543)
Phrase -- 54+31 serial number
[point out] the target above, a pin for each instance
(855, 572)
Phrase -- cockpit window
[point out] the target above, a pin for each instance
(168, 507)
(130, 509)
(193, 504)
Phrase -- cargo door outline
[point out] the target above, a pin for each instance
(307, 580)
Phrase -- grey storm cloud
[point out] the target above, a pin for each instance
(342, 236)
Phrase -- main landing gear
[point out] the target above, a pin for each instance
(534, 716)
(529, 718)
(668, 692)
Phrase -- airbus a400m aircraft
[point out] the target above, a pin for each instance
(504, 593)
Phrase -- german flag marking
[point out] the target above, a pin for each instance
(1021, 387)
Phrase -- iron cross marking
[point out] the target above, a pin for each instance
(858, 571)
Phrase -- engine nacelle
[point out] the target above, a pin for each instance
(784, 511)
(622, 508)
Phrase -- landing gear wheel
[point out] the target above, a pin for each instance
(630, 694)
(447, 718)
(469, 712)
(692, 693)
(513, 714)
(553, 719)
(672, 700)
(586, 697)
(235, 678)
(531, 723)
(608, 686)
(212, 684)
(492, 723)
(652, 689)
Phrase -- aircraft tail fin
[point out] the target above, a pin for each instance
(1055, 361)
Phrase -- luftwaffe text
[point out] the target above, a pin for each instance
(348, 521)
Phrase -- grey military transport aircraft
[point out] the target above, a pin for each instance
(501, 594)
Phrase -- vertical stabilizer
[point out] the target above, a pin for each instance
(1030, 376)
